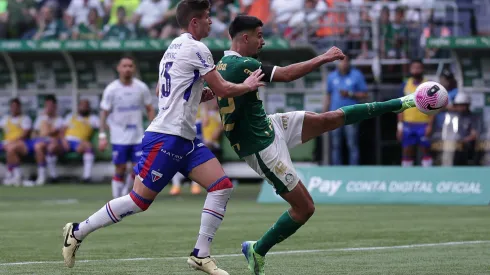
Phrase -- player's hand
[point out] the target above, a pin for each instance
(333, 54)
(399, 134)
(253, 81)
(102, 142)
(428, 131)
(207, 94)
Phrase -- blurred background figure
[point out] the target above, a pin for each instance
(79, 10)
(120, 29)
(16, 143)
(89, 30)
(149, 17)
(345, 86)
(414, 128)
(77, 133)
(46, 134)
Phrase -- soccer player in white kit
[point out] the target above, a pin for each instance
(169, 145)
(122, 107)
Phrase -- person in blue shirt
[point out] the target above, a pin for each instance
(449, 82)
(345, 86)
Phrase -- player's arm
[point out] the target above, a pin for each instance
(225, 89)
(150, 111)
(26, 127)
(298, 70)
(105, 108)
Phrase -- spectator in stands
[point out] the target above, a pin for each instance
(345, 86)
(76, 134)
(48, 26)
(399, 35)
(21, 16)
(414, 128)
(281, 12)
(466, 122)
(212, 128)
(89, 30)
(171, 28)
(150, 17)
(46, 135)
(386, 41)
(16, 128)
(222, 13)
(120, 30)
(79, 10)
(112, 7)
(430, 30)
(449, 82)
(307, 18)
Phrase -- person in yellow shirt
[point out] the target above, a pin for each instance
(76, 134)
(16, 128)
(414, 128)
(213, 129)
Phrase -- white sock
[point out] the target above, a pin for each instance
(128, 186)
(117, 185)
(51, 163)
(407, 162)
(111, 213)
(427, 161)
(212, 215)
(177, 180)
(88, 162)
(41, 172)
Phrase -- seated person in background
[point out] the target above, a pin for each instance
(46, 140)
(16, 128)
(76, 134)
(89, 30)
(150, 16)
(120, 30)
(48, 26)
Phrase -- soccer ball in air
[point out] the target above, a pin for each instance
(431, 97)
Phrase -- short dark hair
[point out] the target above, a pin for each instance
(413, 61)
(15, 100)
(127, 57)
(51, 98)
(244, 23)
(188, 9)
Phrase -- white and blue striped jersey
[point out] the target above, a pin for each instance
(126, 105)
(181, 69)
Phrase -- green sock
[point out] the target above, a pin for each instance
(359, 112)
(281, 230)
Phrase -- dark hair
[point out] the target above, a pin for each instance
(413, 61)
(51, 98)
(244, 23)
(188, 9)
(127, 57)
(15, 100)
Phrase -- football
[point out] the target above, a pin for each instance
(431, 97)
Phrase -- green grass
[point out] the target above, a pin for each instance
(31, 220)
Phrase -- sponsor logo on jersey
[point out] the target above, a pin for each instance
(200, 144)
(155, 175)
(202, 60)
(285, 122)
(289, 178)
(174, 156)
(280, 168)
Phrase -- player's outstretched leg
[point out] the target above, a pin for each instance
(317, 124)
(112, 212)
(211, 176)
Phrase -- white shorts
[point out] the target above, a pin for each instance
(274, 162)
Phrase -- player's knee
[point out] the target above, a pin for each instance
(121, 169)
(309, 210)
(141, 202)
(221, 184)
(39, 147)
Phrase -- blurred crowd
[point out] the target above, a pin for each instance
(401, 24)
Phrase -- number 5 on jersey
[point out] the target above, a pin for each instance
(165, 90)
(225, 112)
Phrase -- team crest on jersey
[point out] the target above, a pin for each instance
(289, 178)
(155, 175)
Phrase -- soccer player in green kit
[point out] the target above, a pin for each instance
(263, 140)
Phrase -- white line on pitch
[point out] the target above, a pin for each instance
(348, 249)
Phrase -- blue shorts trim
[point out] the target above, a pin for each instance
(414, 134)
(122, 154)
(73, 145)
(165, 155)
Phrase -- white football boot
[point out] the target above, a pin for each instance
(70, 246)
(207, 265)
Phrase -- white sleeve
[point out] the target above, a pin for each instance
(201, 59)
(94, 121)
(147, 98)
(26, 123)
(37, 123)
(67, 120)
(58, 123)
(140, 8)
(71, 9)
(106, 103)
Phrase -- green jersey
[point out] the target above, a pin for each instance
(244, 119)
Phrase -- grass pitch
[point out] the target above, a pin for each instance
(337, 240)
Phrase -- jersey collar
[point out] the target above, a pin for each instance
(232, 53)
(189, 35)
